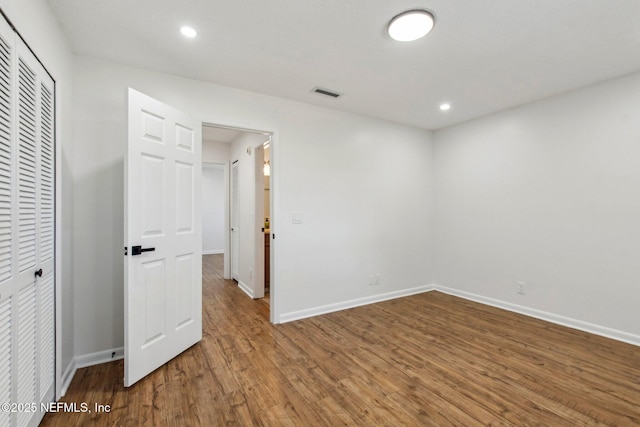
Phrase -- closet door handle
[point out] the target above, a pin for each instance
(38, 273)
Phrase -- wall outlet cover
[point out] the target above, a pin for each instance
(522, 288)
(297, 217)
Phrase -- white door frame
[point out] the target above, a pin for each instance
(274, 154)
(58, 250)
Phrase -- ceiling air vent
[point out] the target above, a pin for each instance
(326, 92)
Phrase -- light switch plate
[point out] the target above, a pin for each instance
(297, 217)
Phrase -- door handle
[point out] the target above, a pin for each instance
(137, 250)
(38, 273)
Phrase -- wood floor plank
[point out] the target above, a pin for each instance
(430, 359)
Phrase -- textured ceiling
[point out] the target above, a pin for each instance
(482, 57)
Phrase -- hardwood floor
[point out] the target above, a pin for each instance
(428, 360)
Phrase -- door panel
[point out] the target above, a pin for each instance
(26, 171)
(185, 267)
(163, 286)
(152, 183)
(6, 350)
(184, 197)
(26, 378)
(154, 273)
(235, 221)
(47, 334)
(46, 175)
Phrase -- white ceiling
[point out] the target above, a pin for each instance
(482, 57)
(219, 134)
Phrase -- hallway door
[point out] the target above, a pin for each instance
(163, 235)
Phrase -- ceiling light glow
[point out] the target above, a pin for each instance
(188, 32)
(445, 107)
(411, 25)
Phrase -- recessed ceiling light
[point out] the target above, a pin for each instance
(445, 107)
(411, 25)
(188, 32)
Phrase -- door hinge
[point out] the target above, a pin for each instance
(125, 251)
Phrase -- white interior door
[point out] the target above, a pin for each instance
(235, 221)
(258, 283)
(163, 235)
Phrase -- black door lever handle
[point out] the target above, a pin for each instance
(137, 250)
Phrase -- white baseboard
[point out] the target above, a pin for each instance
(85, 360)
(343, 305)
(543, 315)
(213, 252)
(68, 375)
(247, 290)
(538, 314)
(99, 357)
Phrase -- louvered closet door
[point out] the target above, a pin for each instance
(7, 279)
(26, 232)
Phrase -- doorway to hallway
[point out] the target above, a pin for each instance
(248, 249)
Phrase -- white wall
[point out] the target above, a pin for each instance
(215, 152)
(549, 194)
(39, 28)
(213, 208)
(364, 186)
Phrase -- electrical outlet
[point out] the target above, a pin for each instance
(251, 273)
(522, 288)
(297, 217)
(374, 279)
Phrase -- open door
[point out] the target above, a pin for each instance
(259, 263)
(163, 236)
(235, 221)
